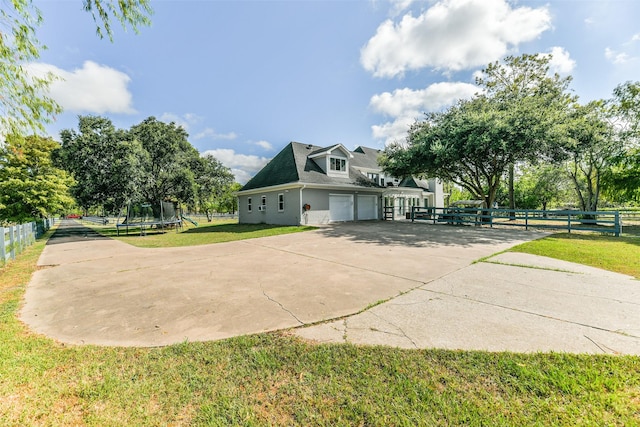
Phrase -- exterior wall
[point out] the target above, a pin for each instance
(319, 202)
(435, 185)
(271, 215)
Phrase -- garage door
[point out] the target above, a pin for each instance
(367, 207)
(341, 207)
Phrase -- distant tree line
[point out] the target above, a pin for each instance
(101, 168)
(525, 141)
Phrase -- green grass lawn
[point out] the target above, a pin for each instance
(217, 231)
(619, 254)
(277, 379)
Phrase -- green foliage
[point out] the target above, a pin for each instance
(130, 13)
(168, 163)
(622, 182)
(30, 185)
(104, 161)
(592, 145)
(23, 107)
(213, 182)
(153, 161)
(537, 187)
(24, 104)
(519, 117)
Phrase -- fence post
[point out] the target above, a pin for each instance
(3, 248)
(12, 242)
(526, 220)
(618, 225)
(569, 221)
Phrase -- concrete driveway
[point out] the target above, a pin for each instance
(92, 290)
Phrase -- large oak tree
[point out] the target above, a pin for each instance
(518, 115)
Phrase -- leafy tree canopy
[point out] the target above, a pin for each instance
(30, 185)
(105, 162)
(152, 162)
(519, 116)
(24, 105)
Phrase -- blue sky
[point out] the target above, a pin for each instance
(247, 77)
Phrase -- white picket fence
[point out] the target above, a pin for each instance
(16, 238)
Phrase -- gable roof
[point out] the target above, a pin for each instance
(329, 150)
(293, 164)
(414, 183)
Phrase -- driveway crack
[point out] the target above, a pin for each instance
(401, 334)
(282, 307)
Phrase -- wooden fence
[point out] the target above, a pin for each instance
(570, 220)
(16, 238)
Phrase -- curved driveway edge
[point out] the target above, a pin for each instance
(105, 292)
(502, 306)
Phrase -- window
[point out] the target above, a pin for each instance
(249, 204)
(338, 164)
(263, 203)
(280, 202)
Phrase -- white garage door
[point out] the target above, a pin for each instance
(341, 207)
(367, 207)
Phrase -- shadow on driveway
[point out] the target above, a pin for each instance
(70, 231)
(425, 235)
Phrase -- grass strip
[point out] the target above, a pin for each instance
(218, 231)
(619, 254)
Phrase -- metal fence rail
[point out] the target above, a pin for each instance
(570, 220)
(16, 238)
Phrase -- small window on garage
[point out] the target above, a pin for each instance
(281, 202)
(249, 204)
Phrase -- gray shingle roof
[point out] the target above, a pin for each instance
(293, 165)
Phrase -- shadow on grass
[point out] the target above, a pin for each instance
(234, 228)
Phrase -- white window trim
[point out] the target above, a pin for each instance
(340, 161)
(280, 195)
(249, 205)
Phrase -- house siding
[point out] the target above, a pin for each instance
(290, 216)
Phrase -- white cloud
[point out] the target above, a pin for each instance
(452, 35)
(616, 57)
(243, 166)
(265, 145)
(94, 88)
(629, 52)
(399, 6)
(407, 105)
(212, 134)
(185, 120)
(561, 61)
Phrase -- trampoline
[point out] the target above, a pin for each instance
(144, 216)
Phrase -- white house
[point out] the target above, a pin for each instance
(306, 184)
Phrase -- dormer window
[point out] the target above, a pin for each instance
(337, 164)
